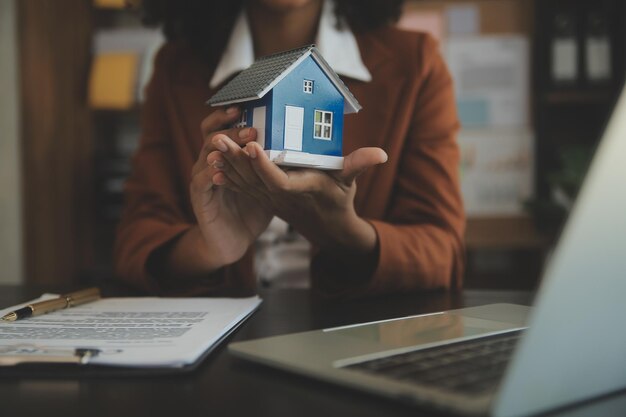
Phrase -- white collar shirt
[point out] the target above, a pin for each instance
(338, 46)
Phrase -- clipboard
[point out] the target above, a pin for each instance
(54, 363)
(73, 365)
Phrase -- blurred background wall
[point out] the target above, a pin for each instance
(535, 81)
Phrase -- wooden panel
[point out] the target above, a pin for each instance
(11, 250)
(496, 16)
(506, 16)
(503, 232)
(55, 38)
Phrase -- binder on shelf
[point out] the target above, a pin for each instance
(122, 66)
(112, 82)
(564, 48)
(110, 4)
(598, 47)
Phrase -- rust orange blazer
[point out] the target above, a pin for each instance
(413, 201)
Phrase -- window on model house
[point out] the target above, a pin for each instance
(243, 119)
(323, 125)
(307, 86)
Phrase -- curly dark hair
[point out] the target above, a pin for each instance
(206, 24)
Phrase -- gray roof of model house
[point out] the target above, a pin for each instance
(253, 83)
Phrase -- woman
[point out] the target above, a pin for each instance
(202, 193)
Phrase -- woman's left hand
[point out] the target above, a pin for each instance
(318, 204)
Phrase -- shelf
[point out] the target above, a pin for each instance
(515, 232)
(577, 97)
(133, 111)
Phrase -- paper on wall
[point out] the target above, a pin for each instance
(463, 19)
(491, 76)
(497, 170)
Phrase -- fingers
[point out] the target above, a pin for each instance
(250, 169)
(215, 162)
(220, 121)
(359, 161)
(206, 174)
(238, 169)
(239, 135)
(268, 172)
(276, 179)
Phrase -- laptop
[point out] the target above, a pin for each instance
(502, 359)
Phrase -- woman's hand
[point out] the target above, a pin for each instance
(319, 204)
(229, 222)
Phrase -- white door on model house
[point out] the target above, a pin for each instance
(294, 121)
(258, 122)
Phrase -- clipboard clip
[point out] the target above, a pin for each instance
(33, 354)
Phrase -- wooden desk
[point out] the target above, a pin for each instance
(227, 386)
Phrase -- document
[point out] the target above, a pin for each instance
(130, 332)
(463, 19)
(497, 171)
(492, 78)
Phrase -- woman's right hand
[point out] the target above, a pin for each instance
(229, 221)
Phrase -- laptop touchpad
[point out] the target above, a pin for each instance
(412, 331)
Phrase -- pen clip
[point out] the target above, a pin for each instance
(79, 297)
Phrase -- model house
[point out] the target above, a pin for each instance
(296, 102)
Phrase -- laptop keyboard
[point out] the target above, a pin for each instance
(469, 367)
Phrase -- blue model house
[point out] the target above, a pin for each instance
(296, 102)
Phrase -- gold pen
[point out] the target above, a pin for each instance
(64, 301)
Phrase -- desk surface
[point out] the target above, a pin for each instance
(226, 386)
